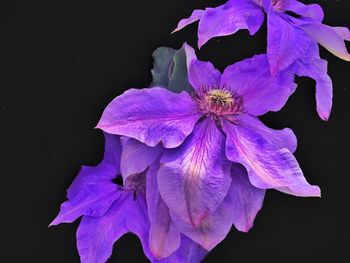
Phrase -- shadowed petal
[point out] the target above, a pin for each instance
(261, 92)
(164, 238)
(96, 236)
(227, 19)
(194, 178)
(285, 42)
(200, 74)
(151, 116)
(281, 138)
(137, 156)
(268, 165)
(246, 200)
(329, 38)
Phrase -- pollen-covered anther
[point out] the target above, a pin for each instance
(219, 101)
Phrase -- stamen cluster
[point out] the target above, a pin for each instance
(219, 101)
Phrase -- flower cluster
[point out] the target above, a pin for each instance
(193, 156)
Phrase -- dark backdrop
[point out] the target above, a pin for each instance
(62, 62)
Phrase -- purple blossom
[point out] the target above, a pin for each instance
(294, 29)
(109, 211)
(218, 158)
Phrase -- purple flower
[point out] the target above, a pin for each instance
(208, 137)
(294, 29)
(110, 211)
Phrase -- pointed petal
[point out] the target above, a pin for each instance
(194, 178)
(261, 92)
(92, 197)
(93, 192)
(195, 16)
(314, 67)
(96, 236)
(329, 38)
(312, 11)
(164, 238)
(151, 116)
(227, 19)
(137, 157)
(268, 165)
(201, 74)
(285, 42)
(281, 138)
(246, 200)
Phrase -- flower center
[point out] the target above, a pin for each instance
(219, 102)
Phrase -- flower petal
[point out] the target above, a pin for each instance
(195, 16)
(200, 74)
(164, 238)
(151, 116)
(261, 92)
(246, 200)
(268, 165)
(188, 252)
(281, 138)
(137, 157)
(285, 42)
(227, 19)
(96, 236)
(312, 11)
(194, 178)
(93, 192)
(316, 68)
(329, 38)
(240, 206)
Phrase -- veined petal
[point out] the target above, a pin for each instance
(228, 19)
(281, 138)
(195, 177)
(330, 38)
(285, 42)
(246, 200)
(316, 68)
(261, 92)
(200, 74)
(137, 156)
(268, 165)
(195, 16)
(164, 238)
(239, 207)
(96, 236)
(151, 116)
(312, 11)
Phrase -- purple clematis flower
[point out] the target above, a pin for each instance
(110, 211)
(294, 29)
(209, 138)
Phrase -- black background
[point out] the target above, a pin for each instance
(62, 62)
